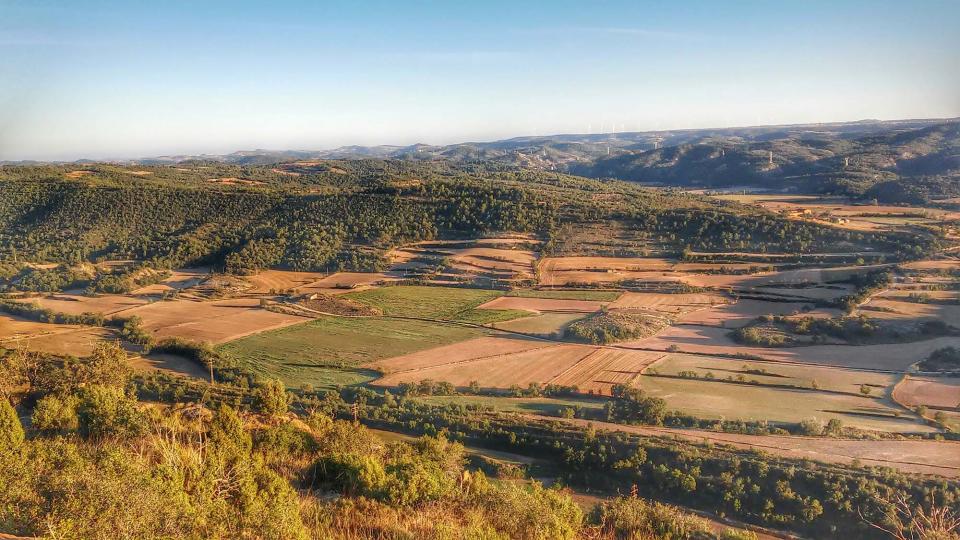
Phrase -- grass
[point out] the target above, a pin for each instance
(326, 352)
(596, 296)
(443, 303)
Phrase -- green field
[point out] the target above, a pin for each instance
(326, 352)
(596, 296)
(444, 303)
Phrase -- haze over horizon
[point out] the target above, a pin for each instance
(108, 80)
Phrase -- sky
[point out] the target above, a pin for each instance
(124, 79)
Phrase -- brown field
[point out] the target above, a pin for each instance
(714, 341)
(744, 311)
(344, 281)
(935, 265)
(50, 338)
(533, 366)
(75, 304)
(215, 322)
(77, 174)
(538, 305)
(828, 211)
(939, 392)
(75, 340)
(605, 367)
(560, 271)
(458, 353)
(179, 280)
(14, 328)
(778, 373)
(668, 303)
(468, 260)
(888, 308)
(169, 363)
(545, 324)
(282, 280)
(920, 457)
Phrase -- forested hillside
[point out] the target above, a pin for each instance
(328, 215)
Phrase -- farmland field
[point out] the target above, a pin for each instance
(714, 341)
(316, 352)
(540, 365)
(722, 400)
(543, 324)
(216, 322)
(444, 303)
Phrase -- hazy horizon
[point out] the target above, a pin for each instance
(108, 80)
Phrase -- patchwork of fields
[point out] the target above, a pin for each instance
(500, 340)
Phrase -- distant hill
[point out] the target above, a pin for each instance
(894, 161)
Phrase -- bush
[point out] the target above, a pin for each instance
(630, 517)
(104, 411)
(56, 414)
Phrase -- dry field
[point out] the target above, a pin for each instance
(179, 280)
(490, 258)
(458, 353)
(777, 373)
(75, 304)
(860, 217)
(920, 457)
(539, 365)
(540, 305)
(938, 392)
(215, 322)
(341, 282)
(743, 312)
(714, 341)
(282, 280)
(169, 363)
(933, 265)
(729, 401)
(888, 308)
(605, 367)
(76, 340)
(670, 304)
(560, 271)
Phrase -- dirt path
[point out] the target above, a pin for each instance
(941, 458)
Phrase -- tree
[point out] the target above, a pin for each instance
(272, 398)
(11, 430)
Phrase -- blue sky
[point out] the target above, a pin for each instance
(114, 79)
